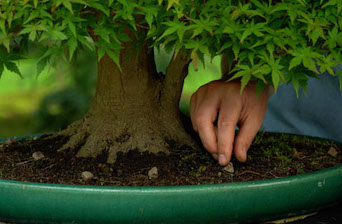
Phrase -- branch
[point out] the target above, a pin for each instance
(176, 72)
(193, 3)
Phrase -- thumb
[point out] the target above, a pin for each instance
(244, 138)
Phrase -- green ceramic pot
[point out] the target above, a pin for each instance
(226, 203)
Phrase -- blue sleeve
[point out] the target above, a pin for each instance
(318, 114)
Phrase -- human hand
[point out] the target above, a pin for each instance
(222, 102)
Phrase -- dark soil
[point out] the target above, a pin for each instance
(270, 156)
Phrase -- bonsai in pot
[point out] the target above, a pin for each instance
(267, 43)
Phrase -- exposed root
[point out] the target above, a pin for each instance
(93, 136)
(75, 141)
(72, 129)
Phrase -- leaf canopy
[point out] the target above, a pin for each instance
(272, 41)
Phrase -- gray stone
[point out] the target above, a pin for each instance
(8, 141)
(38, 155)
(86, 175)
(229, 168)
(333, 152)
(153, 173)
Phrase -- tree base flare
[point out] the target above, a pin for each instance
(93, 135)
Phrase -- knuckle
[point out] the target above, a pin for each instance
(200, 120)
(225, 123)
(201, 88)
(212, 86)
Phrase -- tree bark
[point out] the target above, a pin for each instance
(134, 108)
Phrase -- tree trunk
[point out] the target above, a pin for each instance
(134, 108)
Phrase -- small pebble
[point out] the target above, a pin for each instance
(8, 141)
(86, 175)
(229, 168)
(38, 155)
(153, 173)
(333, 152)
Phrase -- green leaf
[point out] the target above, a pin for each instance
(32, 16)
(2, 25)
(149, 19)
(41, 64)
(260, 86)
(33, 35)
(54, 33)
(295, 62)
(270, 48)
(115, 56)
(295, 85)
(100, 7)
(68, 5)
(226, 45)
(304, 84)
(310, 64)
(239, 74)
(110, 2)
(170, 3)
(27, 29)
(11, 66)
(4, 40)
(244, 81)
(100, 53)
(245, 34)
(337, 3)
(305, 55)
(72, 44)
(72, 27)
(276, 79)
(236, 50)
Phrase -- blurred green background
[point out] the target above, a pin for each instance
(57, 97)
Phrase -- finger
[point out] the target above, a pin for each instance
(215, 156)
(245, 136)
(228, 118)
(204, 121)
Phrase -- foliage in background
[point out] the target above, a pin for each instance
(48, 102)
(65, 105)
(273, 41)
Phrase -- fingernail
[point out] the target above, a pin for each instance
(222, 159)
(215, 156)
(244, 149)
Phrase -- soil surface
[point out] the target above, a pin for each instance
(270, 156)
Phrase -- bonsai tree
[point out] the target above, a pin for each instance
(135, 107)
